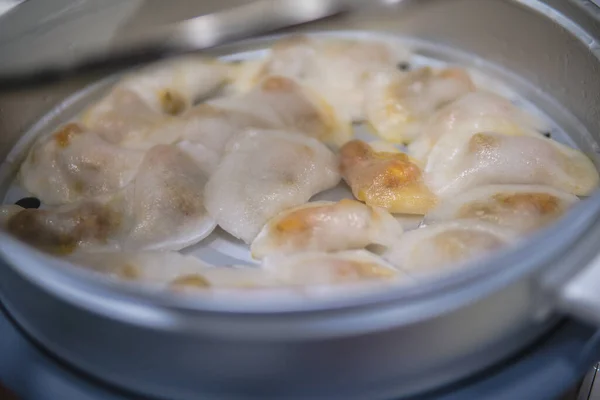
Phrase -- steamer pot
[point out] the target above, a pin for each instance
(381, 345)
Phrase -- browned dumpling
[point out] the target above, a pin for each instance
(463, 161)
(161, 209)
(63, 230)
(265, 173)
(278, 102)
(139, 111)
(443, 246)
(75, 164)
(520, 207)
(326, 226)
(398, 104)
(337, 69)
(388, 180)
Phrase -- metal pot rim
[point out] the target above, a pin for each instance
(105, 296)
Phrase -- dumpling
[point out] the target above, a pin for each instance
(172, 270)
(277, 103)
(409, 222)
(161, 209)
(67, 228)
(138, 111)
(475, 112)
(167, 202)
(398, 105)
(7, 211)
(460, 162)
(520, 207)
(74, 164)
(325, 226)
(264, 173)
(211, 126)
(442, 246)
(281, 103)
(335, 68)
(388, 180)
(331, 268)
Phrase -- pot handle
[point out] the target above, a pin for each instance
(580, 295)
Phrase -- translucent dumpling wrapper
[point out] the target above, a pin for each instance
(278, 102)
(388, 180)
(173, 271)
(326, 226)
(167, 202)
(409, 221)
(335, 68)
(264, 173)
(461, 162)
(472, 113)
(444, 246)
(520, 207)
(331, 268)
(138, 112)
(161, 209)
(74, 164)
(398, 105)
(209, 127)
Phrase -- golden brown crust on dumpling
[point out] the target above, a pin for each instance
(388, 180)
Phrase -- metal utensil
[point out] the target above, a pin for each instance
(195, 34)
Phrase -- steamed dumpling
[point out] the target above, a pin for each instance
(473, 113)
(167, 202)
(335, 68)
(442, 246)
(388, 180)
(74, 164)
(331, 268)
(398, 105)
(276, 103)
(61, 231)
(139, 110)
(7, 211)
(264, 173)
(173, 270)
(161, 209)
(520, 207)
(460, 162)
(326, 226)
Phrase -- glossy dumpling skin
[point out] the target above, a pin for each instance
(138, 112)
(172, 270)
(264, 173)
(388, 180)
(161, 209)
(167, 202)
(443, 246)
(337, 69)
(460, 162)
(325, 226)
(74, 164)
(472, 113)
(398, 104)
(331, 268)
(520, 207)
(276, 103)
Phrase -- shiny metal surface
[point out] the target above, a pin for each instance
(385, 345)
(194, 34)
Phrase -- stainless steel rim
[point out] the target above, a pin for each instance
(421, 302)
